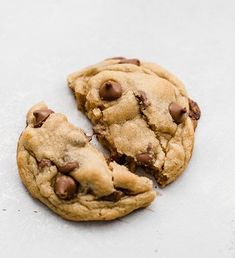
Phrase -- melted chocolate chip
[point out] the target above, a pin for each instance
(144, 158)
(68, 167)
(177, 112)
(133, 61)
(40, 116)
(65, 187)
(194, 110)
(110, 90)
(142, 98)
(44, 163)
(113, 197)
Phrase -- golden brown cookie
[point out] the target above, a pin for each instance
(140, 112)
(60, 167)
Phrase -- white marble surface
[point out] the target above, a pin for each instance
(42, 41)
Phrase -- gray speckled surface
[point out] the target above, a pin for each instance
(42, 41)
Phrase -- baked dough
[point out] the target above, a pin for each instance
(60, 167)
(140, 112)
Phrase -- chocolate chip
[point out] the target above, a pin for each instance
(194, 110)
(110, 90)
(68, 167)
(44, 163)
(65, 187)
(113, 197)
(142, 98)
(133, 61)
(41, 115)
(177, 112)
(144, 158)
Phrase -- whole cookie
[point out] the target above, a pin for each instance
(140, 112)
(60, 167)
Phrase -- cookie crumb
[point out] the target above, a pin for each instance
(35, 211)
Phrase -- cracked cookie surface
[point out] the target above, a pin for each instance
(140, 112)
(60, 167)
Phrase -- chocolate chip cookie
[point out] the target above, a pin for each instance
(140, 112)
(60, 167)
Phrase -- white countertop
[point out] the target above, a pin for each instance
(41, 42)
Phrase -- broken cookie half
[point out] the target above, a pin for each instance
(60, 167)
(140, 112)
